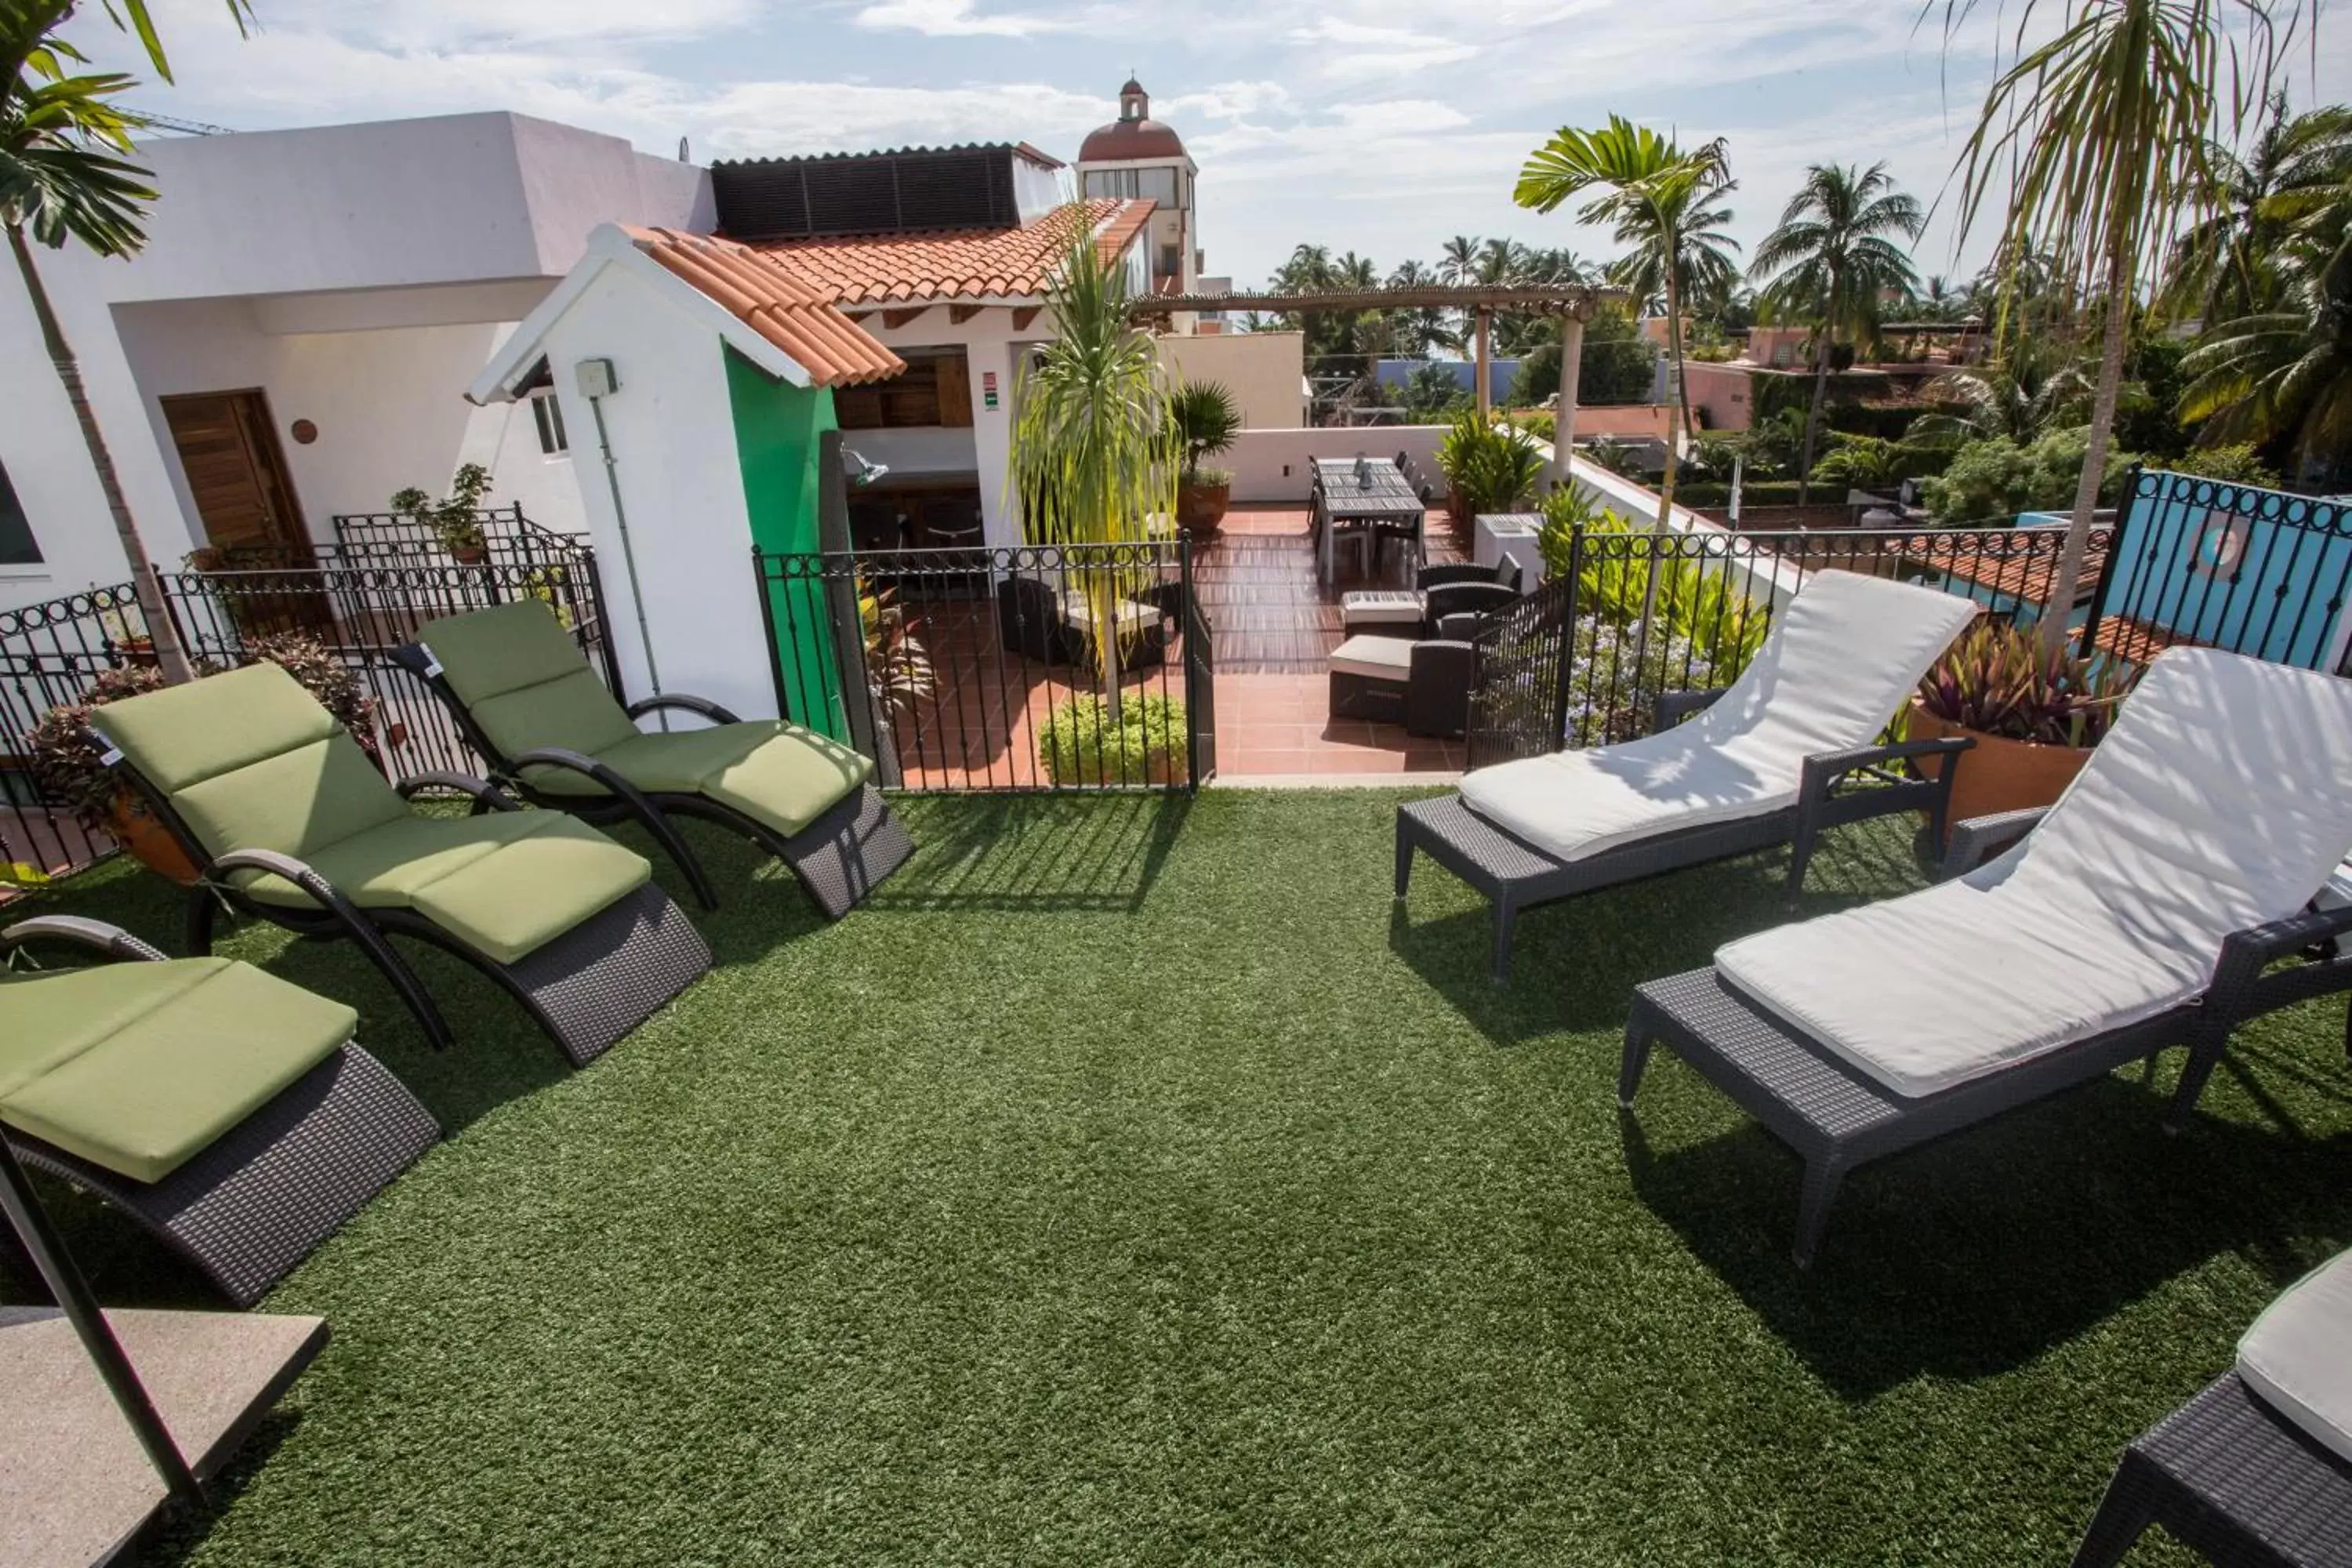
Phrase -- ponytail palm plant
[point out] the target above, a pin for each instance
(2098, 146)
(66, 176)
(1095, 455)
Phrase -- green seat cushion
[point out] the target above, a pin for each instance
(779, 774)
(525, 681)
(505, 882)
(143, 1066)
(250, 760)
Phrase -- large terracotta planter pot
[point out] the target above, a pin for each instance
(137, 829)
(1201, 508)
(1997, 774)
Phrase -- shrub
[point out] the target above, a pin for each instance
(1488, 468)
(1998, 680)
(2234, 465)
(1994, 479)
(1697, 602)
(1618, 366)
(452, 517)
(66, 752)
(1081, 743)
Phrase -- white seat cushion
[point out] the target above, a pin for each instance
(1839, 662)
(2298, 1355)
(1381, 607)
(1376, 658)
(2214, 804)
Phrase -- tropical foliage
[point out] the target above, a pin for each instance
(1084, 742)
(2096, 146)
(1206, 420)
(2001, 681)
(65, 177)
(1095, 453)
(1830, 261)
(1489, 466)
(1989, 482)
(1663, 203)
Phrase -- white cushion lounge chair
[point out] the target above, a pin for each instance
(2258, 1469)
(1758, 765)
(2141, 912)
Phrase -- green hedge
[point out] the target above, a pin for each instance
(1752, 492)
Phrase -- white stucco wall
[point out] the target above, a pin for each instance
(1271, 466)
(1265, 371)
(457, 222)
(388, 407)
(673, 435)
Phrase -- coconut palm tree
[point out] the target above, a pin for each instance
(1095, 457)
(66, 176)
(1459, 257)
(2285, 374)
(2098, 145)
(2219, 270)
(1829, 261)
(1661, 201)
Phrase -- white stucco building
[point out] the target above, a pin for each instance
(295, 339)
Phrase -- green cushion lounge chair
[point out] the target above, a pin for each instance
(292, 823)
(226, 1111)
(527, 700)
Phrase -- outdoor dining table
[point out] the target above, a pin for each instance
(1363, 492)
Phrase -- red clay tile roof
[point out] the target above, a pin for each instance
(775, 303)
(982, 264)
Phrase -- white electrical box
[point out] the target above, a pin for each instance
(597, 378)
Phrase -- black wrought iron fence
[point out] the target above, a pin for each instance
(991, 670)
(360, 613)
(2254, 571)
(405, 532)
(50, 653)
(1583, 661)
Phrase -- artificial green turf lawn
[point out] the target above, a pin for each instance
(1123, 1185)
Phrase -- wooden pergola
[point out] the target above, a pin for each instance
(1573, 304)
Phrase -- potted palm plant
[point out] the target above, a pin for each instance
(1489, 468)
(1206, 420)
(2034, 713)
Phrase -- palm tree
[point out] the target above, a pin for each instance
(65, 175)
(1661, 200)
(1095, 457)
(2285, 374)
(2219, 268)
(2098, 143)
(1829, 260)
(1414, 330)
(1460, 255)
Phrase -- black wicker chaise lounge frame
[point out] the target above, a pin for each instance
(586, 988)
(264, 1196)
(1837, 1118)
(2226, 1475)
(841, 855)
(1515, 875)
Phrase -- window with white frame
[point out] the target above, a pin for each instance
(548, 414)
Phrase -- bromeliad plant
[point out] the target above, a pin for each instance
(2000, 681)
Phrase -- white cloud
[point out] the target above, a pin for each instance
(954, 19)
(1227, 100)
(1375, 53)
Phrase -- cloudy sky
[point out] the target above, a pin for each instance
(1379, 126)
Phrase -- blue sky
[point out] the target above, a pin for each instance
(1381, 126)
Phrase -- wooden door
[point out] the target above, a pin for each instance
(236, 472)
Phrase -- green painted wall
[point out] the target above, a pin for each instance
(777, 425)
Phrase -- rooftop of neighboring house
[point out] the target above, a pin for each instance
(995, 265)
